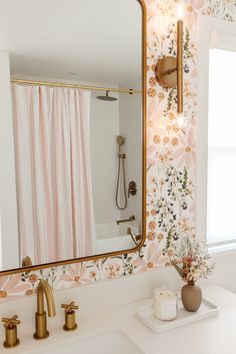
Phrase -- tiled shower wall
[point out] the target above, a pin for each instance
(171, 154)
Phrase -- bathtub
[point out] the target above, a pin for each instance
(112, 237)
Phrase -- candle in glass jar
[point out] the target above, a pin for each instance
(165, 304)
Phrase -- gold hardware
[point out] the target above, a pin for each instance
(11, 332)
(144, 163)
(132, 188)
(41, 331)
(180, 66)
(169, 70)
(166, 72)
(70, 324)
(75, 86)
(130, 219)
(26, 262)
(135, 238)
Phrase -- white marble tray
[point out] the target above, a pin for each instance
(145, 314)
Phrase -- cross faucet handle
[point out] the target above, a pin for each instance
(70, 307)
(10, 322)
(70, 324)
(11, 339)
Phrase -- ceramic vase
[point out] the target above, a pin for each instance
(191, 296)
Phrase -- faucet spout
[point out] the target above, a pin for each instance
(44, 288)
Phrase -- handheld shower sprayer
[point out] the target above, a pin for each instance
(121, 157)
(120, 140)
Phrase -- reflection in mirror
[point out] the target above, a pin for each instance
(72, 181)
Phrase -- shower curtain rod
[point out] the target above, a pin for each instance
(83, 87)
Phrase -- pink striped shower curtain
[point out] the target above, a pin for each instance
(54, 193)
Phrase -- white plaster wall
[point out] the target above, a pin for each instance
(8, 208)
(224, 271)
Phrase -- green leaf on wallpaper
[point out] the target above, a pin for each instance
(185, 179)
(187, 42)
(168, 240)
(170, 100)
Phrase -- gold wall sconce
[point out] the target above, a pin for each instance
(169, 71)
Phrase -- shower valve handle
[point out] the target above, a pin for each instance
(132, 190)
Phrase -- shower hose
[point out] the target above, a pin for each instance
(121, 164)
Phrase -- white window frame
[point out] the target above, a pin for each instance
(211, 31)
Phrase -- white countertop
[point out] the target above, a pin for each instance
(216, 335)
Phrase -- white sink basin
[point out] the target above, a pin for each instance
(112, 342)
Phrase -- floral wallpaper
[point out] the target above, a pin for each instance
(170, 158)
(224, 9)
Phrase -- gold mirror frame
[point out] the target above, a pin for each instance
(144, 105)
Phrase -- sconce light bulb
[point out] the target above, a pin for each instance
(180, 11)
(181, 121)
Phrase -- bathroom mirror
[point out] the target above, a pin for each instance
(72, 131)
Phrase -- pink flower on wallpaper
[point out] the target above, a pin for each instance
(197, 4)
(160, 125)
(185, 154)
(157, 122)
(153, 259)
(156, 127)
(12, 287)
(151, 8)
(79, 273)
(191, 9)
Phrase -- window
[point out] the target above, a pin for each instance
(221, 178)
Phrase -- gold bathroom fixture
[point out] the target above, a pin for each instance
(169, 70)
(43, 288)
(136, 238)
(130, 219)
(73, 86)
(121, 171)
(70, 324)
(132, 190)
(26, 262)
(10, 325)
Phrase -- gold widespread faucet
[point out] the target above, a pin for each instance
(43, 288)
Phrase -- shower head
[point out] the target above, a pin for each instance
(107, 98)
(120, 140)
